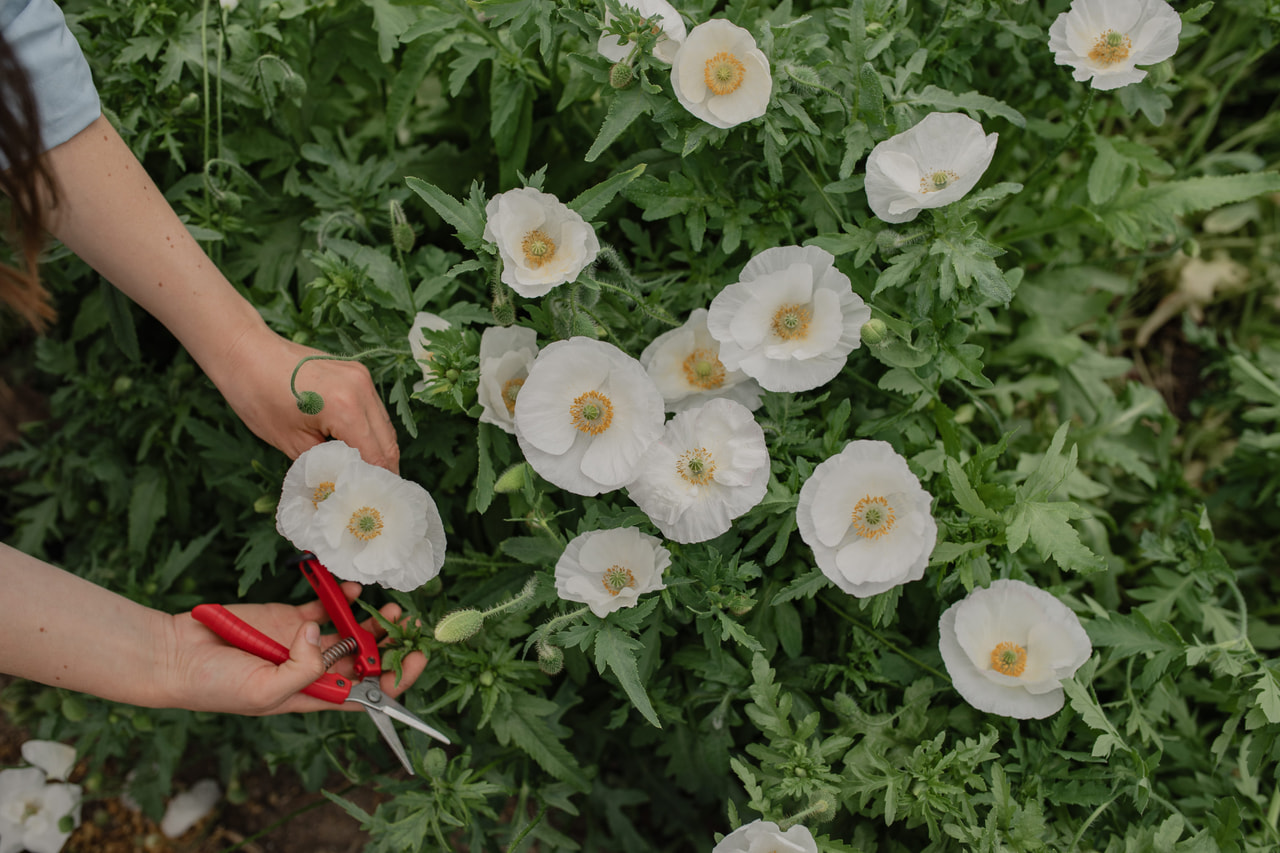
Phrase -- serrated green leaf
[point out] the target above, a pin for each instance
(521, 719)
(1268, 697)
(466, 220)
(1141, 215)
(965, 496)
(618, 652)
(1048, 525)
(147, 504)
(591, 201)
(944, 100)
(627, 106)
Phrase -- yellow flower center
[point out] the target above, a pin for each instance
(1110, 48)
(591, 412)
(538, 248)
(873, 517)
(1009, 659)
(322, 492)
(703, 369)
(510, 390)
(696, 466)
(617, 578)
(365, 524)
(724, 73)
(939, 180)
(791, 322)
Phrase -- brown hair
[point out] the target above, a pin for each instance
(27, 174)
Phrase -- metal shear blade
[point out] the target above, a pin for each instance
(380, 707)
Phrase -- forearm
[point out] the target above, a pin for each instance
(64, 631)
(113, 216)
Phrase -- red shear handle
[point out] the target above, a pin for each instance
(367, 661)
(330, 687)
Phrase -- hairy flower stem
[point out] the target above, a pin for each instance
(550, 628)
(820, 808)
(304, 401)
(528, 827)
(526, 592)
(852, 620)
(645, 308)
(1066, 140)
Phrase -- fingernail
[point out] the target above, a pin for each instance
(311, 633)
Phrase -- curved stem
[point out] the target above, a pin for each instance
(1062, 144)
(293, 378)
(886, 641)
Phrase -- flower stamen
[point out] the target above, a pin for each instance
(873, 517)
(938, 180)
(322, 492)
(696, 466)
(1009, 659)
(703, 369)
(591, 412)
(365, 524)
(538, 248)
(618, 578)
(724, 73)
(791, 322)
(1110, 48)
(510, 390)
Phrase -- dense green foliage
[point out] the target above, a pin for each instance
(1128, 466)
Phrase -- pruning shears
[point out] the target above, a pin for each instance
(331, 687)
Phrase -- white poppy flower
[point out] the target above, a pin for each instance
(423, 321)
(931, 165)
(710, 466)
(760, 836)
(610, 569)
(673, 32)
(1008, 647)
(791, 320)
(190, 807)
(867, 519)
(542, 242)
(1102, 40)
(720, 76)
(685, 363)
(30, 811)
(312, 479)
(506, 354)
(586, 414)
(378, 528)
(55, 759)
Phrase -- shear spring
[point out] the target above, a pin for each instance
(338, 651)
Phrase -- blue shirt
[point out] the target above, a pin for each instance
(65, 95)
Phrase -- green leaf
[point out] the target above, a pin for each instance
(975, 101)
(521, 718)
(1145, 214)
(147, 505)
(618, 651)
(627, 106)
(180, 559)
(535, 550)
(730, 628)
(591, 201)
(805, 586)
(1268, 698)
(465, 218)
(1048, 525)
(1108, 174)
(964, 494)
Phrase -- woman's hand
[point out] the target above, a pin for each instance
(204, 673)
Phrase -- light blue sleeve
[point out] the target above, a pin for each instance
(65, 95)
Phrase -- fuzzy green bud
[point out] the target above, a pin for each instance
(504, 313)
(122, 384)
(582, 326)
(265, 505)
(874, 332)
(402, 236)
(621, 75)
(310, 402)
(485, 678)
(435, 762)
(459, 625)
(550, 658)
(512, 479)
(189, 104)
(294, 86)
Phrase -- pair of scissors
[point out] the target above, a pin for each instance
(331, 687)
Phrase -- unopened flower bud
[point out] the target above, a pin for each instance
(459, 625)
(550, 658)
(504, 313)
(402, 236)
(621, 75)
(485, 678)
(189, 104)
(294, 86)
(582, 326)
(874, 332)
(512, 479)
(265, 505)
(310, 402)
(122, 384)
(435, 762)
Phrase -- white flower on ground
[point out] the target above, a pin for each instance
(423, 321)
(311, 480)
(30, 811)
(720, 76)
(1008, 647)
(610, 569)
(673, 32)
(1102, 40)
(542, 242)
(791, 320)
(867, 519)
(190, 807)
(55, 759)
(764, 836)
(586, 414)
(506, 354)
(710, 466)
(931, 165)
(685, 363)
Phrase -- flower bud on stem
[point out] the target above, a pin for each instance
(819, 810)
(310, 402)
(466, 623)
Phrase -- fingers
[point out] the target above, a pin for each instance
(413, 665)
(305, 663)
(354, 413)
